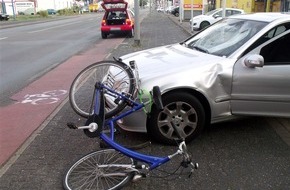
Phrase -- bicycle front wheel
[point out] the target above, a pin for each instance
(115, 75)
(99, 170)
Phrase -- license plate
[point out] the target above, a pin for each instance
(115, 29)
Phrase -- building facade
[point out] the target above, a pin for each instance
(29, 7)
(251, 6)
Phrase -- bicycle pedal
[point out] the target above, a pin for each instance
(71, 125)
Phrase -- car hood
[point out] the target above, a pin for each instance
(200, 17)
(174, 65)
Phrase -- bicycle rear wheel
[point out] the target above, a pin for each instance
(99, 170)
(115, 75)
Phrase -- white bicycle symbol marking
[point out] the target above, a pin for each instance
(48, 97)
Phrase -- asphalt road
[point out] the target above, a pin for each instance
(29, 51)
(47, 88)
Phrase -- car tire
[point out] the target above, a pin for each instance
(203, 25)
(104, 35)
(176, 14)
(131, 33)
(184, 110)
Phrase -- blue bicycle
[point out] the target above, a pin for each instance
(115, 86)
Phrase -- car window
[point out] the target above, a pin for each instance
(228, 12)
(276, 31)
(219, 13)
(116, 15)
(115, 6)
(122, 15)
(236, 12)
(269, 35)
(131, 13)
(211, 12)
(277, 52)
(225, 37)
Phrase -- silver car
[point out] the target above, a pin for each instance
(239, 66)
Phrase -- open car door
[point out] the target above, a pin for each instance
(114, 5)
(261, 80)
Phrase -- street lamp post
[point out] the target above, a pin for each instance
(3, 7)
(224, 9)
(191, 11)
(137, 23)
(13, 9)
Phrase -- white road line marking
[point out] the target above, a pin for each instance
(3, 38)
(52, 27)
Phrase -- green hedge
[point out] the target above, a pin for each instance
(66, 11)
(43, 13)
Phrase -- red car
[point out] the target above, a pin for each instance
(117, 18)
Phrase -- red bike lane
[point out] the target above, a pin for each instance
(37, 101)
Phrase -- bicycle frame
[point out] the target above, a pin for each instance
(152, 161)
(115, 96)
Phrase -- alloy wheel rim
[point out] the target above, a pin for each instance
(183, 115)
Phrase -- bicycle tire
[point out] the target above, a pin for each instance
(86, 173)
(120, 78)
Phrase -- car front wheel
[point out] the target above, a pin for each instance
(181, 108)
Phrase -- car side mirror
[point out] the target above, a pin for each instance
(216, 16)
(253, 61)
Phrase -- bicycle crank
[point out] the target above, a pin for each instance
(92, 127)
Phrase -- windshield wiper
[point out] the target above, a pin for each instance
(200, 49)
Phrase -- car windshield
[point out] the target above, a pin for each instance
(224, 37)
(212, 12)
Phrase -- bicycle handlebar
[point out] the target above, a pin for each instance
(156, 95)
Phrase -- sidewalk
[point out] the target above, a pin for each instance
(251, 157)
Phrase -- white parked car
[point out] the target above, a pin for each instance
(202, 21)
(169, 9)
(239, 66)
(160, 9)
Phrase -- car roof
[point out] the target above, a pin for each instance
(264, 17)
(230, 9)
